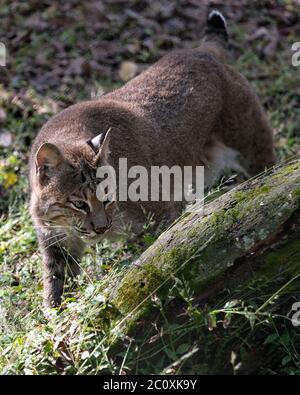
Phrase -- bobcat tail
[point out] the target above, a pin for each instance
(216, 28)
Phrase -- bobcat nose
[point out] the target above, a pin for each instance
(100, 229)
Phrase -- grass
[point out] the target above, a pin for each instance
(73, 340)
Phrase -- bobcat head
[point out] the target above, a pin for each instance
(65, 184)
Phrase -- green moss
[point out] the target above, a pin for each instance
(251, 194)
(296, 194)
(218, 217)
(287, 170)
(137, 287)
(225, 218)
(177, 256)
(201, 226)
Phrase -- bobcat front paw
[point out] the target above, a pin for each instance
(53, 289)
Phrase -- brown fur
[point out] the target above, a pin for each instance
(189, 108)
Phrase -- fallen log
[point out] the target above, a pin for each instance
(257, 221)
(251, 231)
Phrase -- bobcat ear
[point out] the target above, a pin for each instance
(48, 156)
(99, 144)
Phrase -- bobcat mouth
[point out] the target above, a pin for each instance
(91, 238)
(81, 232)
(96, 235)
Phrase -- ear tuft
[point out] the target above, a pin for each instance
(47, 156)
(99, 144)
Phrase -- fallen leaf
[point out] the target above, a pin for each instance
(128, 70)
(5, 138)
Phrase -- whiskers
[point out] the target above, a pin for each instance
(53, 233)
(78, 226)
(48, 224)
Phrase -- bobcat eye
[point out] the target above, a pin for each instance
(80, 204)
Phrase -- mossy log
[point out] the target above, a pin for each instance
(252, 228)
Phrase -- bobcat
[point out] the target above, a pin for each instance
(190, 108)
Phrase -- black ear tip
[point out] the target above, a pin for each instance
(217, 20)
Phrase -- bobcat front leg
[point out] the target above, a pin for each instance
(59, 253)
